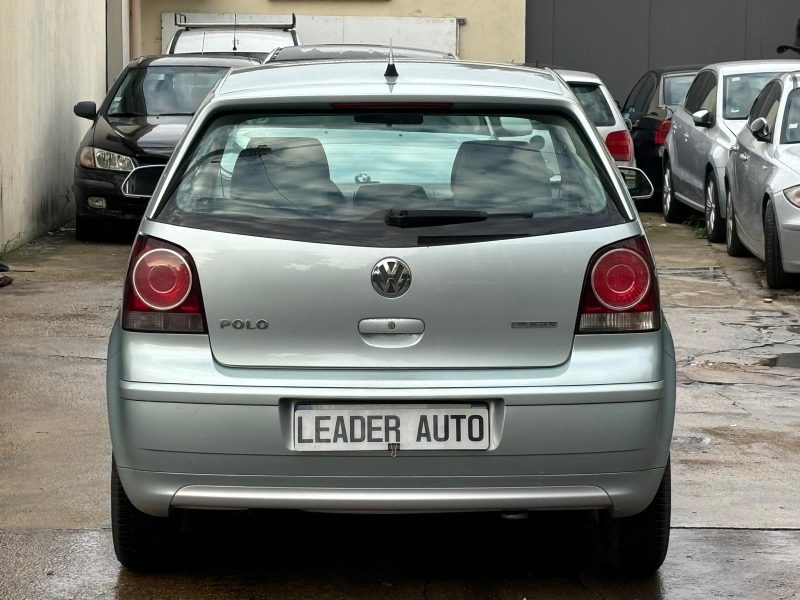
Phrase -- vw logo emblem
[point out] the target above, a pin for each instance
(391, 277)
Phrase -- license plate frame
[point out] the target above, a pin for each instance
(357, 427)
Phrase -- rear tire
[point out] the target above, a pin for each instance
(674, 211)
(777, 278)
(141, 542)
(637, 545)
(715, 229)
(733, 244)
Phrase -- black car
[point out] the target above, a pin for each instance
(649, 107)
(139, 123)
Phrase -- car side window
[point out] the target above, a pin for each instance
(693, 98)
(629, 105)
(771, 107)
(645, 96)
(759, 103)
(708, 95)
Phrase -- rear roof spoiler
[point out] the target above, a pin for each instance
(181, 20)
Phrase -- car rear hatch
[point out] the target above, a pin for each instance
(510, 303)
(301, 265)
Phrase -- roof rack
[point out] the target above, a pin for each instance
(181, 20)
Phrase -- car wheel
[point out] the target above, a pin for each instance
(714, 226)
(777, 278)
(637, 545)
(674, 211)
(733, 244)
(141, 542)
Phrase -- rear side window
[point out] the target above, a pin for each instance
(675, 88)
(594, 102)
(331, 178)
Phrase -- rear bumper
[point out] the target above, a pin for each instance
(625, 493)
(558, 440)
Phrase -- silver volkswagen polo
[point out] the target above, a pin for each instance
(420, 287)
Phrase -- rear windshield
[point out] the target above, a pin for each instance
(675, 88)
(791, 122)
(331, 178)
(741, 92)
(163, 91)
(594, 103)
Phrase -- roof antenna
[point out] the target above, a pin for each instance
(234, 32)
(391, 70)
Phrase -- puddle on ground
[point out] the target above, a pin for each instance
(704, 273)
(787, 360)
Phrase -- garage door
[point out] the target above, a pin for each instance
(432, 34)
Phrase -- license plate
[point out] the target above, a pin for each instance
(321, 428)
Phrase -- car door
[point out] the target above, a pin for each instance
(682, 125)
(757, 158)
(700, 143)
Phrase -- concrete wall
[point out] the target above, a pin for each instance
(118, 37)
(621, 39)
(53, 55)
(495, 30)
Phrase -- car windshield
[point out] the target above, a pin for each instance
(791, 120)
(199, 40)
(594, 103)
(740, 93)
(156, 91)
(333, 177)
(675, 88)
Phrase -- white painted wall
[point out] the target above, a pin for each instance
(53, 54)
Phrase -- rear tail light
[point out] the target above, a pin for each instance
(162, 293)
(662, 131)
(620, 145)
(620, 292)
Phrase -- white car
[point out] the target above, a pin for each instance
(763, 182)
(603, 111)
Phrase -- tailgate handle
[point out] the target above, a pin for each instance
(391, 326)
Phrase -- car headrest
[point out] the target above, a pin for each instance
(505, 171)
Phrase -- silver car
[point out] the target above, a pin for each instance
(703, 131)
(416, 287)
(598, 103)
(763, 182)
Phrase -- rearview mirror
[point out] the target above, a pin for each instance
(638, 184)
(760, 128)
(142, 181)
(702, 118)
(85, 110)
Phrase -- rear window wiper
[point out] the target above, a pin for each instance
(430, 218)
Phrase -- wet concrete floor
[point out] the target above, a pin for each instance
(736, 456)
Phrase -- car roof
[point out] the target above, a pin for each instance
(195, 60)
(675, 69)
(319, 79)
(579, 76)
(753, 66)
(352, 52)
(792, 78)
